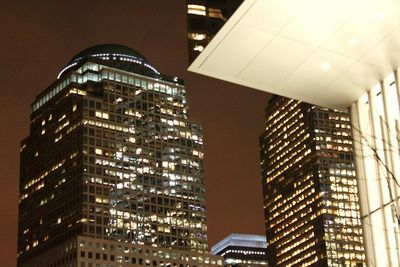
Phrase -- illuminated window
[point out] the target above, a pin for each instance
(197, 36)
(215, 13)
(199, 48)
(196, 10)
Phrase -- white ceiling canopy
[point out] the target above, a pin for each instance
(325, 52)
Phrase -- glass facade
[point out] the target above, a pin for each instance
(375, 119)
(311, 205)
(112, 156)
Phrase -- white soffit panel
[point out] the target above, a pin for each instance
(326, 52)
(255, 38)
(276, 61)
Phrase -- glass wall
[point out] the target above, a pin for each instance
(376, 130)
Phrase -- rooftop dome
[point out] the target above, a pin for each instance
(108, 49)
(110, 53)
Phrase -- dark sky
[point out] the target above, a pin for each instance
(39, 37)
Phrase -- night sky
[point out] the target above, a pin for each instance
(39, 37)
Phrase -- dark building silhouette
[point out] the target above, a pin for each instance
(311, 205)
(112, 170)
(242, 250)
(205, 18)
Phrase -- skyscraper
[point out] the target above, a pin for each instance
(204, 19)
(311, 205)
(111, 173)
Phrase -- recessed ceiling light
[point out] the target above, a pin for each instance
(380, 15)
(352, 42)
(325, 66)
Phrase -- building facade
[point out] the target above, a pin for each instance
(204, 19)
(312, 214)
(111, 173)
(375, 118)
(242, 250)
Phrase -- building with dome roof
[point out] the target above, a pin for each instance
(111, 173)
(113, 55)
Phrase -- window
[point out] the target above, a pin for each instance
(196, 10)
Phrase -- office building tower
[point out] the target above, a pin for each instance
(312, 214)
(242, 250)
(112, 171)
(204, 19)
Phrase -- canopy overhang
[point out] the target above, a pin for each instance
(325, 52)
